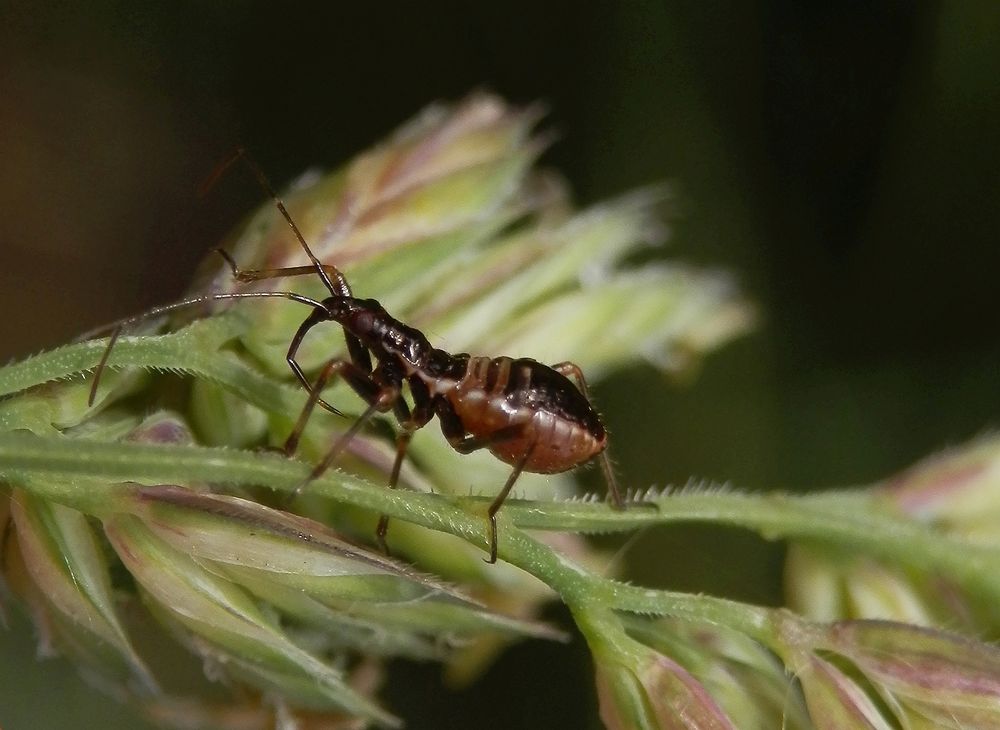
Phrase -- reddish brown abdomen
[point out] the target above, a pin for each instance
(539, 408)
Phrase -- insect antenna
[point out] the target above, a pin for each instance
(117, 326)
(339, 289)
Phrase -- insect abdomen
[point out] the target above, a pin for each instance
(538, 408)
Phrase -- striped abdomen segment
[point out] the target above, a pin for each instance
(519, 404)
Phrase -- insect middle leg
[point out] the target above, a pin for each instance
(409, 423)
(380, 391)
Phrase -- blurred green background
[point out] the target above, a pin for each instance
(843, 161)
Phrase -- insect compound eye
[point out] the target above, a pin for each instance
(364, 321)
(334, 307)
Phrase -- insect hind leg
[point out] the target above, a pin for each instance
(572, 370)
(498, 501)
(466, 443)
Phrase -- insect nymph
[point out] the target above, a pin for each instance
(527, 414)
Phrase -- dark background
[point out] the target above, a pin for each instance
(844, 162)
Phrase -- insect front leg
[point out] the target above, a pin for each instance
(317, 316)
(247, 276)
(381, 394)
(572, 370)
(360, 382)
(359, 355)
(99, 370)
